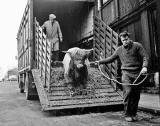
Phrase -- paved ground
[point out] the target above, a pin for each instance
(153, 98)
(16, 111)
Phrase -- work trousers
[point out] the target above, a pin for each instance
(131, 93)
(55, 55)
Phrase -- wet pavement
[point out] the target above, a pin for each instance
(150, 102)
(16, 111)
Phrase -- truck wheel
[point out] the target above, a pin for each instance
(21, 90)
(21, 87)
(21, 84)
(28, 96)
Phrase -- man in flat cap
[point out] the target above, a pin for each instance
(134, 60)
(54, 35)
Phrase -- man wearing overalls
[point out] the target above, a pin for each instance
(54, 35)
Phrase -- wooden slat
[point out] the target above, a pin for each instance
(100, 47)
(62, 86)
(84, 101)
(97, 91)
(97, 88)
(81, 97)
(115, 104)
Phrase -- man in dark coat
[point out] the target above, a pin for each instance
(134, 60)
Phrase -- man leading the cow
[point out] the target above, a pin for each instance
(134, 60)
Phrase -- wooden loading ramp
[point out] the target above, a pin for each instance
(100, 94)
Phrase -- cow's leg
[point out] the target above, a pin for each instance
(84, 87)
(70, 85)
(84, 80)
(56, 55)
(68, 80)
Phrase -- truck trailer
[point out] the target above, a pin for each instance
(79, 22)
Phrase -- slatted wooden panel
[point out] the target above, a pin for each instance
(48, 64)
(43, 54)
(36, 44)
(105, 43)
(40, 48)
(43, 63)
(23, 42)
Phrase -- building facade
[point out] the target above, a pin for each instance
(136, 16)
(140, 18)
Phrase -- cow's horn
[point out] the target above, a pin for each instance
(64, 51)
(88, 50)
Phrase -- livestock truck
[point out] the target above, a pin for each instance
(79, 22)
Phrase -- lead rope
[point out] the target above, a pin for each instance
(134, 83)
(120, 82)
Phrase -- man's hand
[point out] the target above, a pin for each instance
(61, 39)
(96, 62)
(144, 70)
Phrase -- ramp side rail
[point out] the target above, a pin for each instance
(43, 55)
(105, 43)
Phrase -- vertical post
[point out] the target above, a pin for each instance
(117, 9)
(94, 37)
(105, 42)
(50, 54)
(98, 38)
(36, 42)
(31, 35)
(40, 48)
(94, 18)
(158, 37)
(111, 46)
(45, 63)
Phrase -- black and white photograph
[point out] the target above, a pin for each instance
(80, 63)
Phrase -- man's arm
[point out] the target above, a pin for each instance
(109, 59)
(59, 32)
(43, 26)
(145, 57)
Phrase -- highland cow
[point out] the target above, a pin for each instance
(75, 64)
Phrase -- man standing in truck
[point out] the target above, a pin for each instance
(134, 61)
(54, 35)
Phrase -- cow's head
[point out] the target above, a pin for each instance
(79, 59)
(75, 65)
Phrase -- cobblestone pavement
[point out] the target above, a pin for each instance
(16, 111)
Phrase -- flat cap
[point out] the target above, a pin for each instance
(52, 16)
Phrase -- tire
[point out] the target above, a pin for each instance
(21, 84)
(21, 87)
(28, 96)
(21, 90)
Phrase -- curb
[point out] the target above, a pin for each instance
(149, 109)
